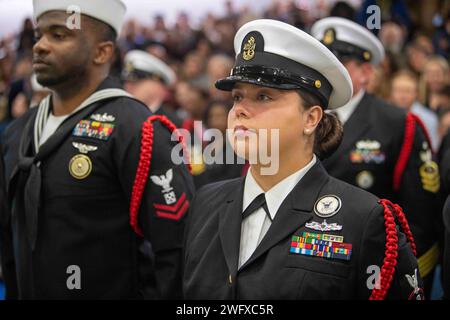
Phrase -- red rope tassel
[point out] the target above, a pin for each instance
(410, 126)
(405, 152)
(144, 164)
(425, 131)
(390, 259)
(405, 227)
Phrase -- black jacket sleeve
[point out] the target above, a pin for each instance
(165, 200)
(6, 248)
(406, 282)
(421, 179)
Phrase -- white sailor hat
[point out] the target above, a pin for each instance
(142, 65)
(347, 39)
(274, 54)
(111, 12)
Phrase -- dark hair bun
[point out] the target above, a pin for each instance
(329, 134)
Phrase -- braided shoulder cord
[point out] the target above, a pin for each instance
(144, 164)
(391, 252)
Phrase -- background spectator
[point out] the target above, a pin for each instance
(418, 53)
(404, 93)
(436, 75)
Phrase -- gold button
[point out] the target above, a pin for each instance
(230, 280)
(318, 84)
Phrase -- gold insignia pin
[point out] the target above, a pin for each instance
(80, 166)
(249, 49)
(129, 67)
(429, 173)
(366, 55)
(328, 37)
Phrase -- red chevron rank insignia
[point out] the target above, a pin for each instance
(173, 212)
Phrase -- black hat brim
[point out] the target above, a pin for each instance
(227, 84)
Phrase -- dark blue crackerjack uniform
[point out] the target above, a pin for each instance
(70, 204)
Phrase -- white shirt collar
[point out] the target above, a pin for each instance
(52, 124)
(276, 195)
(346, 111)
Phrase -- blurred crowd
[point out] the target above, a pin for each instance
(414, 75)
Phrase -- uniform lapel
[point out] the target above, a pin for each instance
(230, 225)
(294, 212)
(354, 128)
